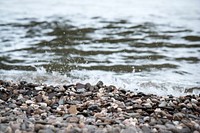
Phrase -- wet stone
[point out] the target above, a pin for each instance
(94, 107)
(80, 91)
(80, 86)
(110, 88)
(99, 84)
(72, 119)
(140, 94)
(68, 87)
(23, 82)
(54, 106)
(4, 94)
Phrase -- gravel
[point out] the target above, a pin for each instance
(85, 108)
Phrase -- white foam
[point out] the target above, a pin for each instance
(136, 82)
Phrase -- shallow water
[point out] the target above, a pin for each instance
(148, 46)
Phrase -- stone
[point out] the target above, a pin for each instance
(162, 104)
(154, 130)
(178, 116)
(90, 128)
(3, 120)
(54, 106)
(51, 95)
(130, 130)
(39, 88)
(18, 131)
(46, 130)
(80, 86)
(94, 107)
(87, 86)
(73, 119)
(147, 105)
(163, 127)
(29, 102)
(134, 115)
(73, 109)
(170, 127)
(139, 101)
(75, 130)
(146, 119)
(1, 101)
(99, 84)
(44, 105)
(61, 101)
(194, 101)
(8, 130)
(81, 125)
(185, 130)
(146, 129)
(81, 90)
(85, 108)
(99, 115)
(39, 98)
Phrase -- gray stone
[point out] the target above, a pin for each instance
(163, 104)
(61, 101)
(91, 128)
(130, 130)
(146, 119)
(145, 129)
(47, 130)
(178, 116)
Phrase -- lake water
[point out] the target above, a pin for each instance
(148, 46)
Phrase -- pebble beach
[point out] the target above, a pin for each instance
(85, 108)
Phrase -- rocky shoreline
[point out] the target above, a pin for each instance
(85, 108)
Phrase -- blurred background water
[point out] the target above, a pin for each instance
(141, 45)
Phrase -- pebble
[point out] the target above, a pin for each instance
(73, 119)
(146, 129)
(148, 105)
(178, 116)
(146, 119)
(194, 101)
(39, 88)
(28, 107)
(29, 102)
(73, 109)
(99, 84)
(130, 130)
(163, 104)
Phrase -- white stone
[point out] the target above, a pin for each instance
(162, 104)
(194, 101)
(29, 102)
(20, 96)
(1, 101)
(43, 104)
(175, 122)
(148, 105)
(39, 88)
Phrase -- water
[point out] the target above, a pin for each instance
(148, 46)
